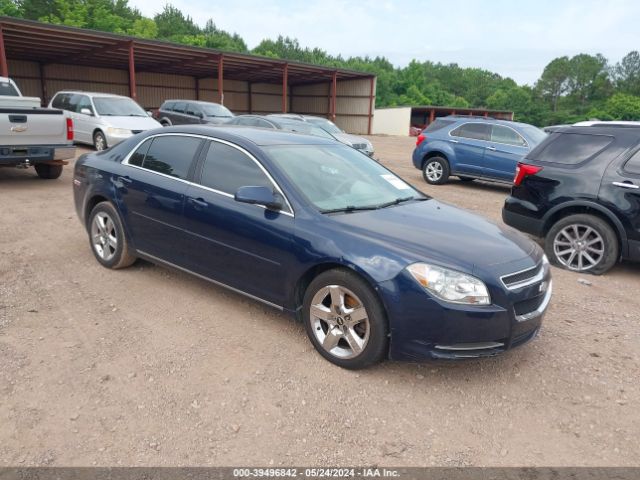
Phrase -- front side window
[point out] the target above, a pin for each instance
(118, 107)
(226, 169)
(336, 177)
(501, 134)
(215, 110)
(61, 101)
(326, 125)
(84, 102)
(192, 110)
(570, 148)
(633, 164)
(180, 107)
(475, 131)
(171, 155)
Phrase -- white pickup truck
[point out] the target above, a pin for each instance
(31, 135)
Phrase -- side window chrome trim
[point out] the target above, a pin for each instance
(526, 145)
(125, 161)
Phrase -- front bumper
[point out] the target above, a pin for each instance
(423, 327)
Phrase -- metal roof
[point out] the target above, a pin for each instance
(47, 43)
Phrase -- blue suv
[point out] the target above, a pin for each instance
(473, 147)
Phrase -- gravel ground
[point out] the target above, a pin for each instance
(147, 366)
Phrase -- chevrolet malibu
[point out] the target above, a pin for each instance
(371, 266)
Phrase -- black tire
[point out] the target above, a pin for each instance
(466, 179)
(436, 171)
(122, 255)
(374, 327)
(99, 141)
(48, 172)
(608, 243)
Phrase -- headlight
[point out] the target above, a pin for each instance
(118, 131)
(449, 285)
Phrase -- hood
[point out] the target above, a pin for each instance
(131, 123)
(433, 231)
(350, 139)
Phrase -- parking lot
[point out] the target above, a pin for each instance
(148, 366)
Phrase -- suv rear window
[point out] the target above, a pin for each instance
(438, 124)
(570, 148)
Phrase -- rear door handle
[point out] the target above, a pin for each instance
(198, 202)
(453, 141)
(493, 149)
(626, 184)
(126, 180)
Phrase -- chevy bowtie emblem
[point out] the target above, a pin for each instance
(19, 128)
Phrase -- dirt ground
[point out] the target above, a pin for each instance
(147, 366)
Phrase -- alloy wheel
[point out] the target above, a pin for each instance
(339, 321)
(579, 247)
(104, 237)
(100, 143)
(434, 171)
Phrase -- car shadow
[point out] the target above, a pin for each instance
(481, 185)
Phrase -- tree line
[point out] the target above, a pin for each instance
(569, 89)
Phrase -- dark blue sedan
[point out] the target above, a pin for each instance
(373, 267)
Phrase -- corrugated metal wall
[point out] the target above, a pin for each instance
(352, 102)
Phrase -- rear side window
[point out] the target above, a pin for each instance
(506, 135)
(570, 148)
(226, 169)
(179, 107)
(475, 131)
(62, 101)
(633, 164)
(171, 155)
(168, 106)
(438, 124)
(138, 156)
(8, 90)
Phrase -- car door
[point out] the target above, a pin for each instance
(620, 191)
(151, 191)
(246, 247)
(178, 116)
(193, 114)
(469, 141)
(83, 123)
(505, 149)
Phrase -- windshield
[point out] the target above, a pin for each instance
(339, 178)
(301, 127)
(325, 124)
(214, 110)
(535, 134)
(117, 106)
(8, 90)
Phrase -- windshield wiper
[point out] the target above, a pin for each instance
(398, 201)
(350, 208)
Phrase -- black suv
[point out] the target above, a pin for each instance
(580, 190)
(183, 112)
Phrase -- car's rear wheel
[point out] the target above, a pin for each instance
(48, 172)
(435, 170)
(99, 141)
(108, 240)
(345, 320)
(582, 243)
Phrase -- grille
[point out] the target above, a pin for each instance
(521, 277)
(360, 146)
(136, 131)
(529, 305)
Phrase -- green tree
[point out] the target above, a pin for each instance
(172, 23)
(627, 73)
(623, 106)
(554, 81)
(143, 28)
(10, 8)
(589, 78)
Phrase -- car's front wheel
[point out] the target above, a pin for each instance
(99, 141)
(345, 320)
(435, 171)
(582, 243)
(108, 241)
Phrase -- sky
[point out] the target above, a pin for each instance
(516, 38)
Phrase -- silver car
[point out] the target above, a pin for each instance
(103, 119)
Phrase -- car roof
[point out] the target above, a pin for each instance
(602, 123)
(257, 136)
(201, 102)
(92, 94)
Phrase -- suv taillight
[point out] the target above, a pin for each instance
(421, 138)
(69, 129)
(523, 170)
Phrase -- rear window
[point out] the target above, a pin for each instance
(570, 148)
(8, 90)
(475, 131)
(633, 164)
(438, 124)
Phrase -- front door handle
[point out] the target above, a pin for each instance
(626, 184)
(453, 141)
(493, 149)
(126, 180)
(198, 203)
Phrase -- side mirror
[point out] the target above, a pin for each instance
(259, 196)
(150, 113)
(199, 114)
(86, 111)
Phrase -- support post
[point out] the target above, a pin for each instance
(221, 79)
(197, 88)
(43, 85)
(432, 116)
(249, 97)
(371, 85)
(334, 88)
(4, 67)
(486, 114)
(132, 73)
(285, 86)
